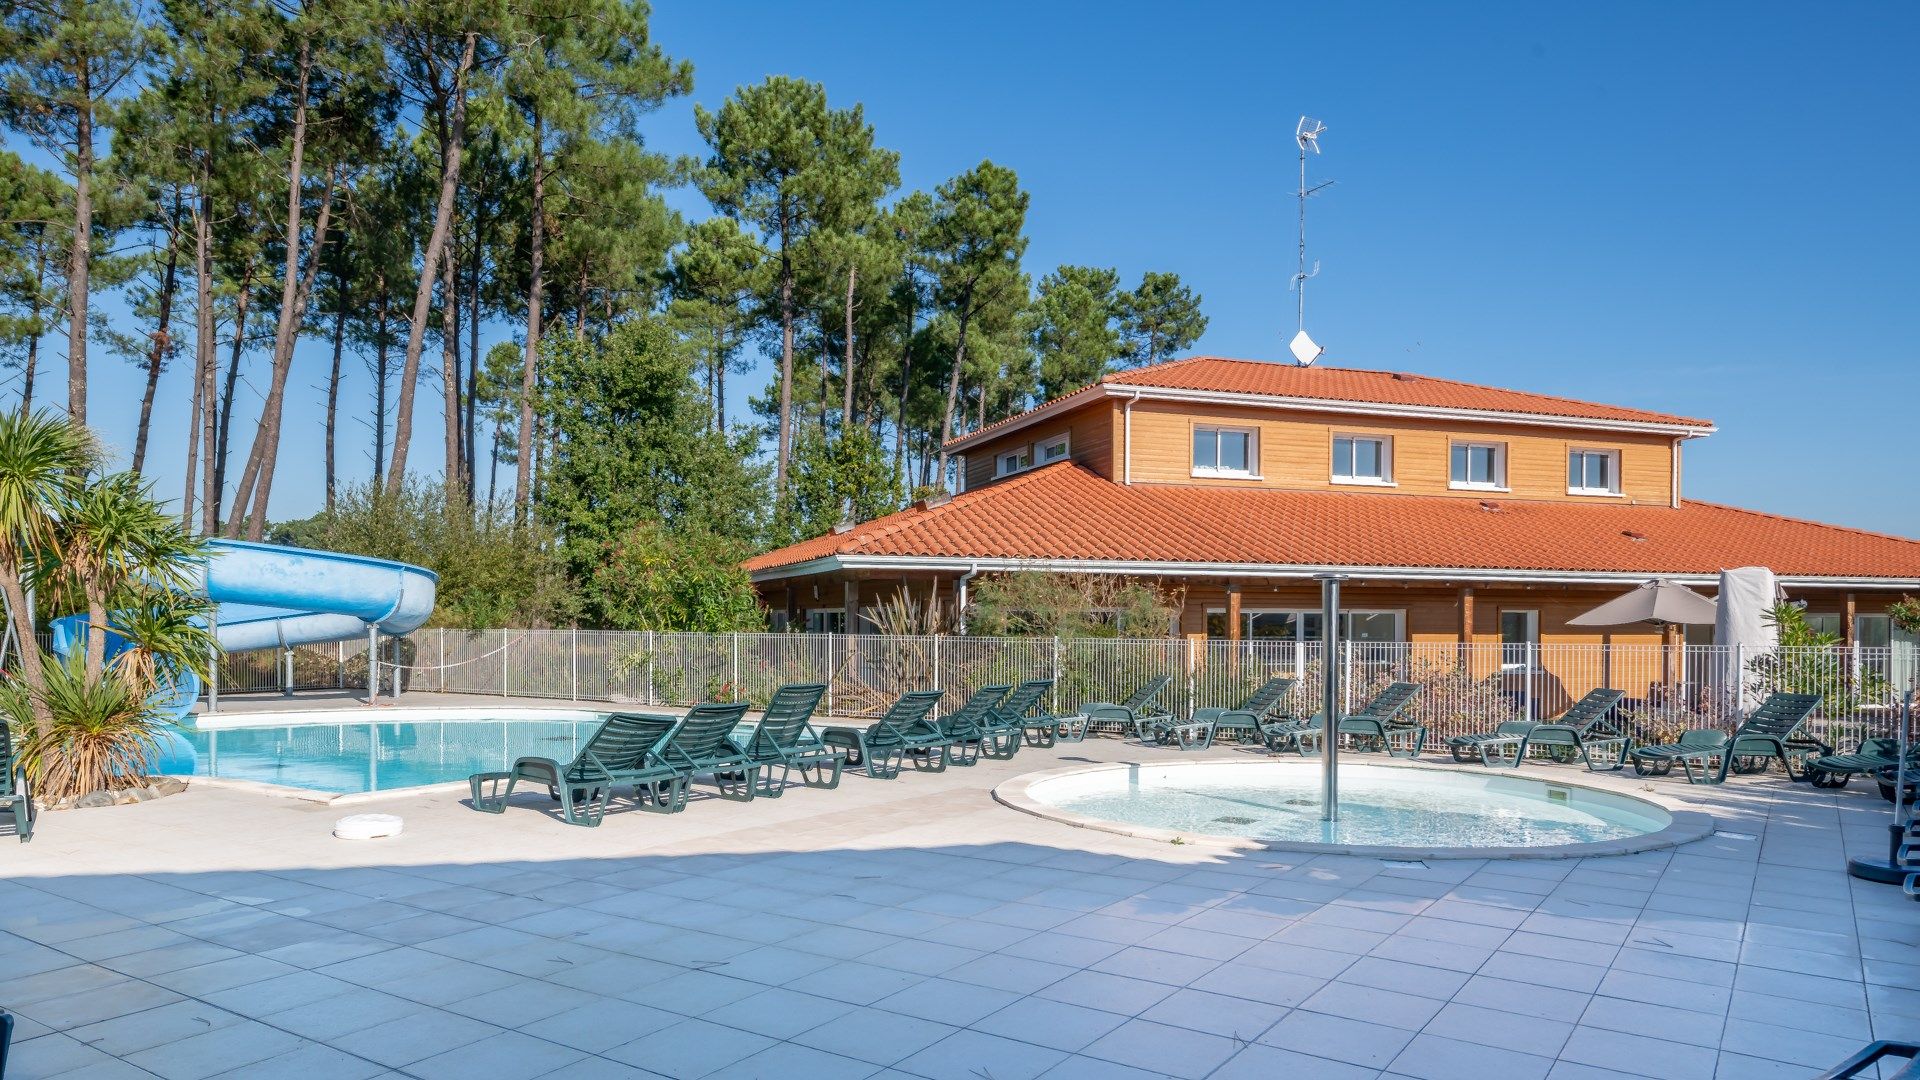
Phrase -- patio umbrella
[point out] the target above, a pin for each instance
(1659, 602)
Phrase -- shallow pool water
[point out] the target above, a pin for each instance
(345, 758)
(1379, 806)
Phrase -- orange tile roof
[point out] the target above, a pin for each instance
(1386, 388)
(1064, 511)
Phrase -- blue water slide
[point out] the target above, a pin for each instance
(270, 596)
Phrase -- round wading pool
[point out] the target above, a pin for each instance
(1387, 809)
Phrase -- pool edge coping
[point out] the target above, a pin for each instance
(1684, 826)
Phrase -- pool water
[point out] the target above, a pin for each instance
(1379, 806)
(347, 758)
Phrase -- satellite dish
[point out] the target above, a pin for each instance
(1304, 349)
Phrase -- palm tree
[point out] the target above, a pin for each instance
(43, 458)
(113, 540)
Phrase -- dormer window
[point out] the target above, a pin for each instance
(1054, 449)
(1018, 459)
(1224, 451)
(1478, 466)
(1593, 472)
(1362, 459)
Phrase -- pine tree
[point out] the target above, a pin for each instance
(974, 243)
(1159, 319)
(1071, 326)
(63, 63)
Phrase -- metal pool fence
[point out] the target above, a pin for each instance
(1464, 687)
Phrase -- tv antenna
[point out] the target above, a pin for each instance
(1307, 133)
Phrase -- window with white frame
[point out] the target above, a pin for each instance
(1223, 451)
(1048, 451)
(1362, 459)
(1479, 466)
(1519, 639)
(1018, 459)
(1593, 472)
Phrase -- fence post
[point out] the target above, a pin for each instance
(503, 661)
(1191, 704)
(573, 662)
(1526, 672)
(213, 661)
(1346, 675)
(443, 659)
(829, 673)
(936, 663)
(1053, 706)
(735, 681)
(340, 664)
(1739, 681)
(649, 667)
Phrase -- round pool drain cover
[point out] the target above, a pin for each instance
(367, 826)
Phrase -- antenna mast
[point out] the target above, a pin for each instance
(1307, 134)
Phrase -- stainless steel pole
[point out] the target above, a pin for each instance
(373, 665)
(213, 660)
(1329, 697)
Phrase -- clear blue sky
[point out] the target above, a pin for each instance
(1694, 208)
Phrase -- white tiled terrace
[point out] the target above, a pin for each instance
(915, 928)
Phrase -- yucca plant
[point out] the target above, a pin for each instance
(103, 731)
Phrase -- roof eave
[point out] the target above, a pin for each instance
(1303, 404)
(961, 564)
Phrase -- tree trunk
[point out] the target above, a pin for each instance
(33, 342)
(475, 254)
(333, 378)
(162, 338)
(906, 387)
(206, 366)
(846, 363)
(20, 609)
(493, 473)
(380, 379)
(953, 381)
(436, 241)
(452, 473)
(80, 259)
(536, 252)
(256, 483)
(786, 359)
(193, 450)
(219, 461)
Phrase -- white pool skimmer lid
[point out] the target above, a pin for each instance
(367, 826)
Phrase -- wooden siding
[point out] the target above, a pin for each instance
(1296, 451)
(1091, 441)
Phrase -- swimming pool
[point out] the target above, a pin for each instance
(1380, 806)
(405, 748)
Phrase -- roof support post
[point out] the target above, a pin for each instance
(1233, 611)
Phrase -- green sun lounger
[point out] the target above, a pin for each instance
(1140, 709)
(1007, 723)
(16, 791)
(618, 752)
(906, 728)
(1767, 734)
(1243, 721)
(964, 727)
(1873, 757)
(1376, 727)
(701, 744)
(1579, 731)
(783, 742)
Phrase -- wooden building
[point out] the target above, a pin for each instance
(1461, 513)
